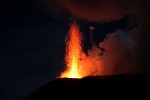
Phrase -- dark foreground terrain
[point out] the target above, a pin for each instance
(94, 87)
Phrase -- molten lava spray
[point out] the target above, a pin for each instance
(119, 57)
(78, 64)
(73, 52)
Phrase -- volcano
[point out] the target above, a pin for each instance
(82, 79)
(92, 87)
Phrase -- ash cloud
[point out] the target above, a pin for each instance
(129, 57)
(121, 52)
(120, 56)
(98, 10)
(102, 11)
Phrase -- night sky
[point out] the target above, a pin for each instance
(32, 43)
(31, 49)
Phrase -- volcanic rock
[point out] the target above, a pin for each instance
(94, 87)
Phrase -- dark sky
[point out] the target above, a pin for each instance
(32, 46)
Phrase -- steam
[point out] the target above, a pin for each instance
(119, 57)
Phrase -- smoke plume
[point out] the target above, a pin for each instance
(125, 51)
(98, 10)
(119, 57)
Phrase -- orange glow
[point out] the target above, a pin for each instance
(73, 52)
(78, 64)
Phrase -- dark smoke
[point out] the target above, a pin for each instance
(103, 11)
(98, 10)
(109, 10)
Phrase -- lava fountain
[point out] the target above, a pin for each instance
(73, 53)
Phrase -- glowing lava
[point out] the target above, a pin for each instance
(73, 52)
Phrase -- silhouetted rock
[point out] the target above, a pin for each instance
(92, 87)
